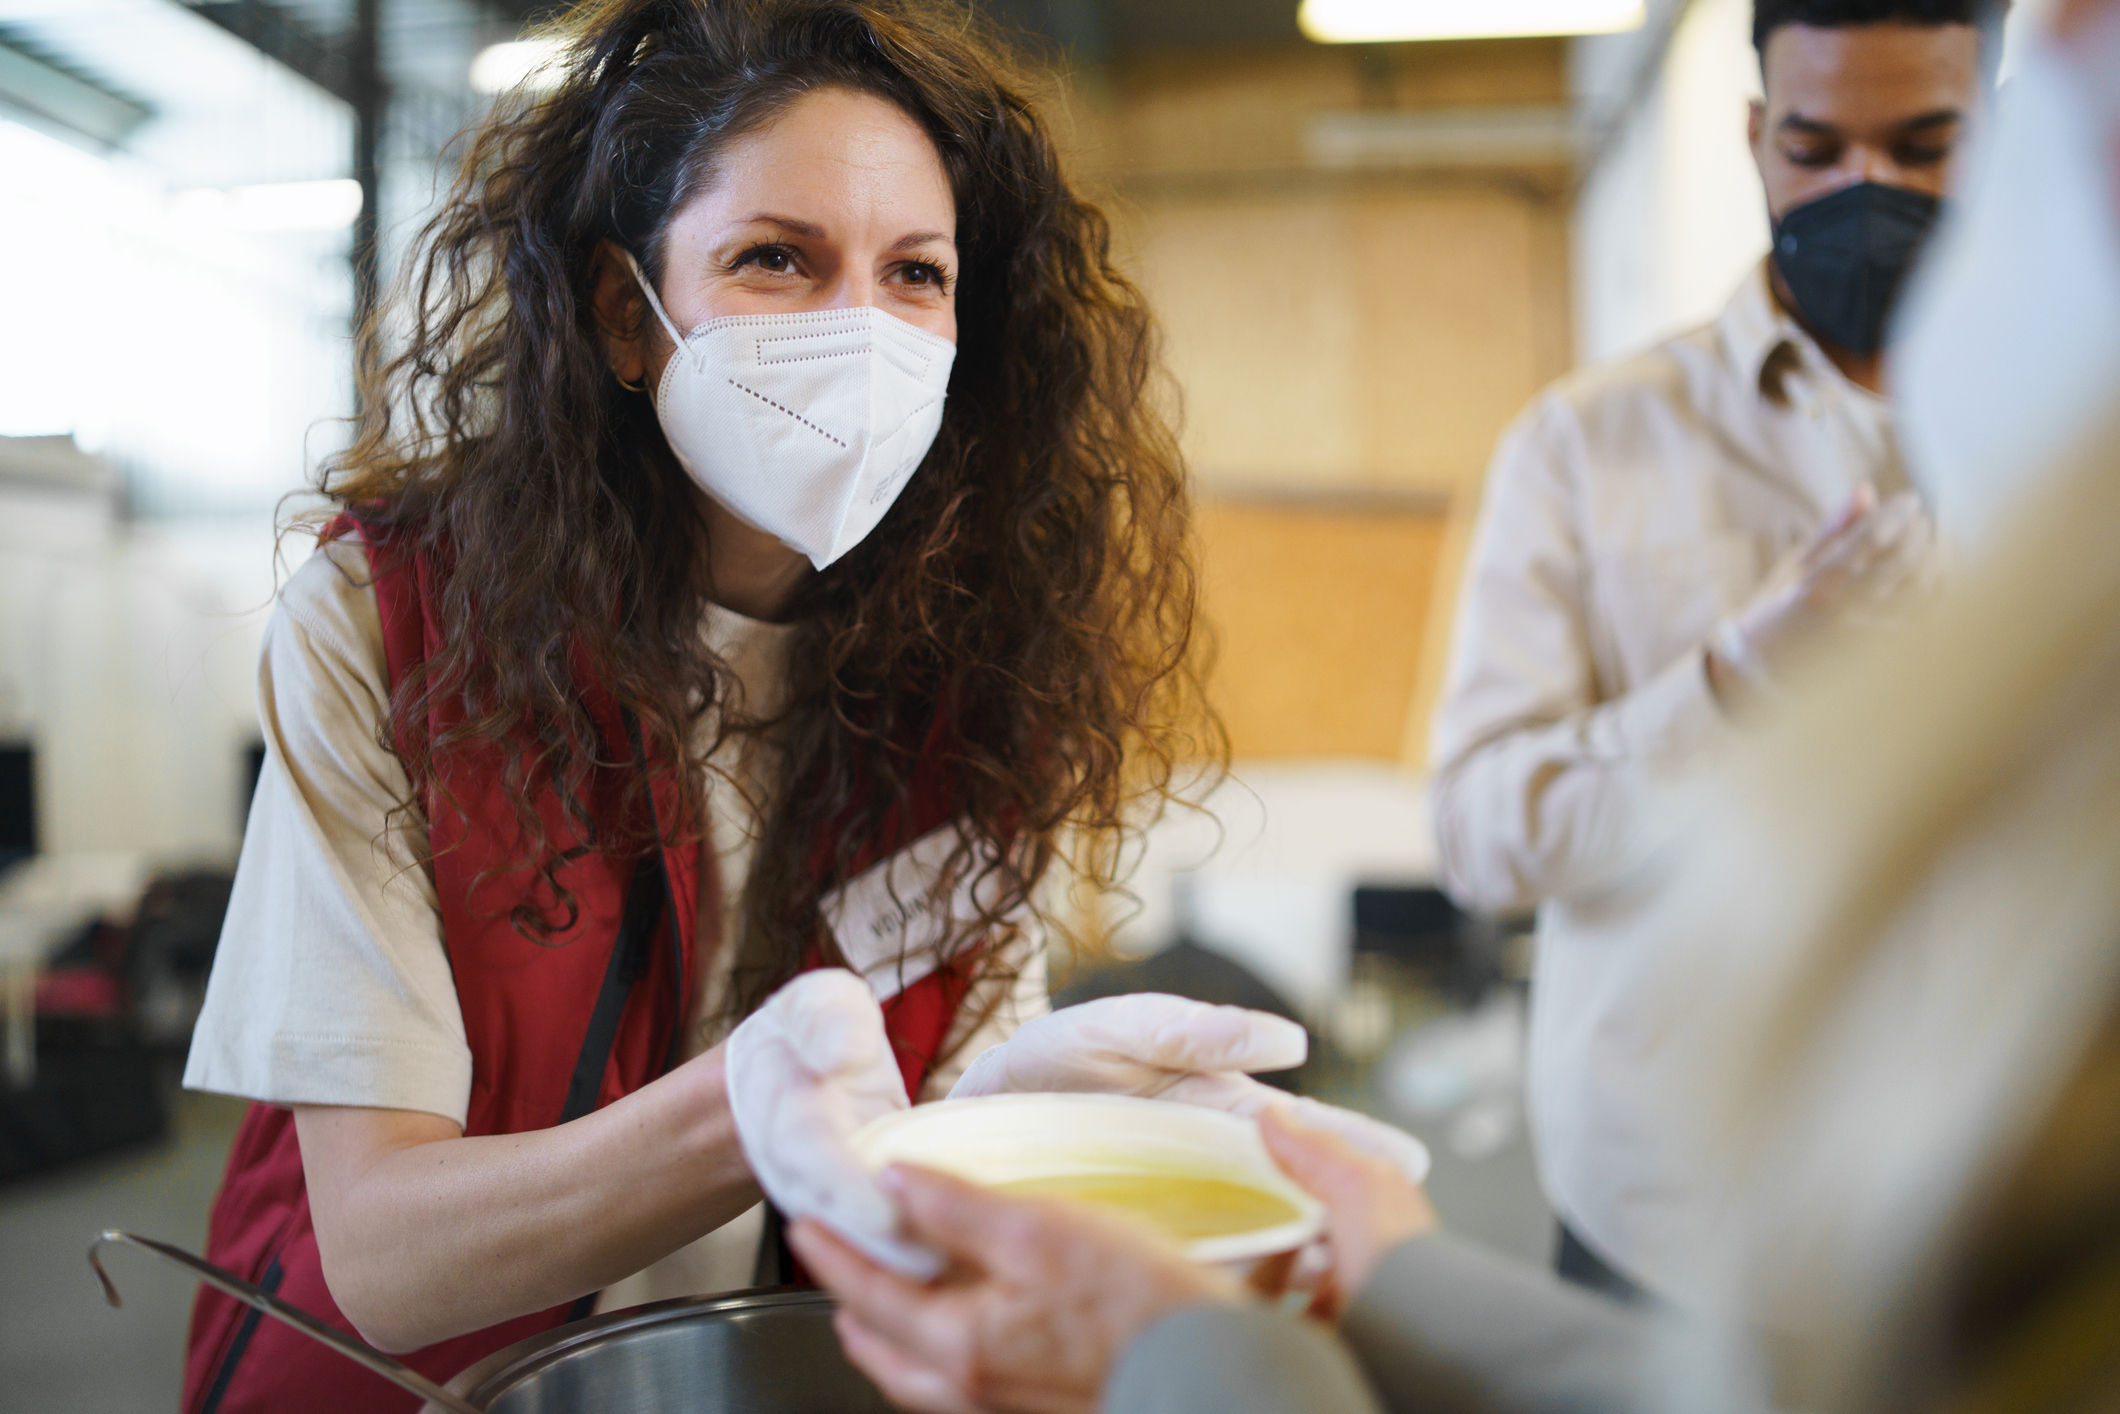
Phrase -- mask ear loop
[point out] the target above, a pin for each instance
(655, 304)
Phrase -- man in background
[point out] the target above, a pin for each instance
(1659, 535)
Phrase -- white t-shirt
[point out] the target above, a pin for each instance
(331, 985)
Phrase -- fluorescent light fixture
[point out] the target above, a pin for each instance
(1395, 21)
(534, 64)
(1541, 135)
(275, 206)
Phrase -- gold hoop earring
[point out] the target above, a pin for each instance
(640, 387)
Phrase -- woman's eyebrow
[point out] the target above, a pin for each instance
(810, 230)
(785, 223)
(921, 238)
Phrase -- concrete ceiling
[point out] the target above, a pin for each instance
(424, 46)
(1098, 29)
(1133, 26)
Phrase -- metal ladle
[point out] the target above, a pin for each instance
(368, 1357)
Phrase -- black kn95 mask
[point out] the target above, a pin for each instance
(1845, 255)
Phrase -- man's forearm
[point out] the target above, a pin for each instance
(425, 1235)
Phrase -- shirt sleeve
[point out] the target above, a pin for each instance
(1441, 1328)
(1444, 1327)
(331, 985)
(1534, 772)
(1236, 1359)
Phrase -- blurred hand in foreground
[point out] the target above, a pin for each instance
(1370, 1206)
(1042, 1296)
(1040, 1299)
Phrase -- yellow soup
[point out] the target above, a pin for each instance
(1189, 1207)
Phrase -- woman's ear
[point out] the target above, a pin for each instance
(620, 312)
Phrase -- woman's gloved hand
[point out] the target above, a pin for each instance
(1172, 1048)
(805, 1072)
(1146, 1044)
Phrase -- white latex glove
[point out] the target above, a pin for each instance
(1865, 555)
(805, 1071)
(1147, 1044)
(1172, 1048)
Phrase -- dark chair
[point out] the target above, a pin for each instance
(1418, 928)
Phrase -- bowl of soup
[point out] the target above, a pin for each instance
(1202, 1176)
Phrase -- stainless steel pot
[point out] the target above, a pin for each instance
(748, 1352)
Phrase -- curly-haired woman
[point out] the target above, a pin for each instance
(676, 639)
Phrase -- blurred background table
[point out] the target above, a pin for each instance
(44, 902)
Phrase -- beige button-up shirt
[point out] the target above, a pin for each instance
(1630, 510)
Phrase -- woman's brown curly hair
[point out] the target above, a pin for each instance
(1034, 583)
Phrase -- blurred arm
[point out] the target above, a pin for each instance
(1441, 1328)
(1230, 1358)
(1444, 1327)
(1533, 771)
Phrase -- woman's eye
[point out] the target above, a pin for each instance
(1923, 156)
(922, 273)
(773, 259)
(1812, 156)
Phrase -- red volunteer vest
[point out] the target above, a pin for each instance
(529, 1010)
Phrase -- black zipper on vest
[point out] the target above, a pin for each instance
(629, 963)
(227, 1373)
(649, 898)
(677, 939)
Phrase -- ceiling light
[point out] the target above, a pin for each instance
(536, 64)
(1394, 21)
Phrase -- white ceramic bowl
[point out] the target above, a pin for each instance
(1005, 1138)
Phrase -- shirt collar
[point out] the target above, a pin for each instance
(1771, 351)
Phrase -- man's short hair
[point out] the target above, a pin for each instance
(1770, 15)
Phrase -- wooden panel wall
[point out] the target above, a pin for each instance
(1351, 340)
(1319, 614)
(1332, 335)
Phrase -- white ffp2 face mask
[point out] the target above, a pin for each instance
(806, 425)
(2011, 340)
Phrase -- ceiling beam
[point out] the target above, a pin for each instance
(35, 85)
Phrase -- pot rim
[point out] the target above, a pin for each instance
(486, 1380)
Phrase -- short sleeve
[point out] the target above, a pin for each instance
(330, 985)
